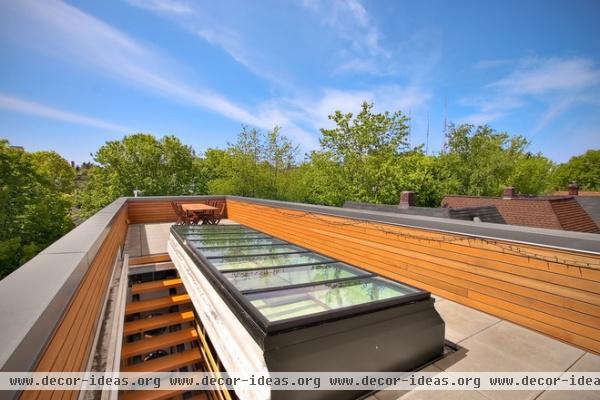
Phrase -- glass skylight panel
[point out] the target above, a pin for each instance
(221, 233)
(213, 228)
(254, 240)
(225, 236)
(249, 250)
(272, 278)
(240, 263)
(283, 304)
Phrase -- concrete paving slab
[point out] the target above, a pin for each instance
(509, 347)
(154, 238)
(429, 394)
(463, 322)
(147, 239)
(588, 363)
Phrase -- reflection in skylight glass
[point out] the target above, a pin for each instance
(248, 251)
(239, 263)
(289, 303)
(270, 278)
(254, 240)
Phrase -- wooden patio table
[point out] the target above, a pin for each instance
(200, 210)
(196, 207)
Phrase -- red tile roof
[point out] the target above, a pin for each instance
(542, 212)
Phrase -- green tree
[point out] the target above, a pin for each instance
(481, 162)
(583, 169)
(421, 173)
(35, 203)
(531, 174)
(141, 162)
(358, 158)
(256, 165)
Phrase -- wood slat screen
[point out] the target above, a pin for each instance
(551, 291)
(70, 346)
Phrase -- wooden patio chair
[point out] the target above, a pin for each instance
(181, 220)
(216, 215)
(184, 217)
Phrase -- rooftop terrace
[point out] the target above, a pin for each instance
(513, 298)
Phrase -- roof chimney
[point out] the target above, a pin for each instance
(573, 189)
(407, 199)
(509, 193)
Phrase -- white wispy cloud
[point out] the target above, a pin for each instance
(312, 111)
(350, 20)
(168, 6)
(214, 30)
(556, 83)
(19, 105)
(538, 76)
(65, 32)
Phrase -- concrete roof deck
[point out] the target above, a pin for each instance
(487, 343)
(149, 239)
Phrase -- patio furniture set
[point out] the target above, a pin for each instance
(210, 212)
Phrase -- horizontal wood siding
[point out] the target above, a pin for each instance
(151, 211)
(70, 346)
(551, 291)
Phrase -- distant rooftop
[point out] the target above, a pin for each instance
(481, 213)
(551, 212)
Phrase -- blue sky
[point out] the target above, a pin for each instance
(75, 74)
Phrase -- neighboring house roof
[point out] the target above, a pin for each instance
(484, 213)
(590, 201)
(552, 212)
(591, 205)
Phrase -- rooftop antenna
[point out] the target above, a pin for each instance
(445, 121)
(427, 140)
(409, 126)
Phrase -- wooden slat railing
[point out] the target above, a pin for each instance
(70, 345)
(555, 292)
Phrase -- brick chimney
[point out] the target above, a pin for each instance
(573, 189)
(407, 199)
(509, 193)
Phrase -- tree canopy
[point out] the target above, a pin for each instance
(480, 161)
(583, 169)
(140, 162)
(35, 203)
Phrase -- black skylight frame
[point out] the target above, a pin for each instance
(302, 250)
(257, 324)
(366, 274)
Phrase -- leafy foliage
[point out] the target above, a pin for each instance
(583, 169)
(35, 203)
(140, 162)
(358, 157)
(256, 165)
(481, 162)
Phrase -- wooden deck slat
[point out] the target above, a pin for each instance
(167, 363)
(150, 259)
(156, 304)
(147, 324)
(163, 341)
(154, 286)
